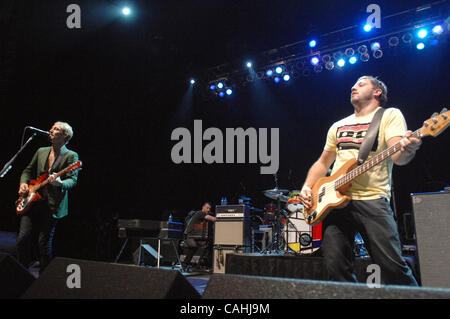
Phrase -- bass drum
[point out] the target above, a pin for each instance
(299, 236)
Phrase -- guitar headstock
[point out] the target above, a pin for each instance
(436, 124)
(74, 166)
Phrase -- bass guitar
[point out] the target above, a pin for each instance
(24, 203)
(328, 193)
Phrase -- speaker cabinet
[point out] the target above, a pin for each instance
(68, 278)
(431, 213)
(14, 278)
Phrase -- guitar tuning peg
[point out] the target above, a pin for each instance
(434, 114)
(444, 110)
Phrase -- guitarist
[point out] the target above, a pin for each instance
(369, 211)
(43, 216)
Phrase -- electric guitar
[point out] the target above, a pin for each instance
(328, 192)
(25, 202)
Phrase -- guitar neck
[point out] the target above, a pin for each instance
(37, 187)
(361, 169)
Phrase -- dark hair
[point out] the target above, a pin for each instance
(378, 84)
(209, 203)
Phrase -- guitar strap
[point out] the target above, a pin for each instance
(371, 134)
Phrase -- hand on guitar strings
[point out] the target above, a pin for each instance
(23, 189)
(55, 181)
(306, 196)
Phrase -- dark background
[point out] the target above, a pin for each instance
(122, 83)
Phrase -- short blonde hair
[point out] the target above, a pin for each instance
(67, 129)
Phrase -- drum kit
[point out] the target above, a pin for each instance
(284, 217)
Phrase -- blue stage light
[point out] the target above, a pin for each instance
(192, 81)
(422, 33)
(314, 60)
(269, 73)
(286, 77)
(221, 94)
(420, 46)
(229, 91)
(375, 46)
(126, 11)
(212, 87)
(249, 64)
(341, 62)
(220, 85)
(276, 79)
(279, 69)
(312, 43)
(438, 29)
(367, 27)
(353, 60)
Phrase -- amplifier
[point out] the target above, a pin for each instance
(232, 226)
(220, 257)
(431, 213)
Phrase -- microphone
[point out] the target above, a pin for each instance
(38, 130)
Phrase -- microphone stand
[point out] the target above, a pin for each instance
(8, 165)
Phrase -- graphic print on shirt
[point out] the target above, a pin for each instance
(351, 137)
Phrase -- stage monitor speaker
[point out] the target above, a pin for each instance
(68, 278)
(14, 278)
(251, 287)
(432, 225)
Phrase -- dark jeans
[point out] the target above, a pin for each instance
(37, 220)
(192, 245)
(374, 220)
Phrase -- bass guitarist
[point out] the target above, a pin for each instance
(44, 214)
(369, 211)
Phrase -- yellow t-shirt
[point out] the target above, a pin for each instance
(345, 137)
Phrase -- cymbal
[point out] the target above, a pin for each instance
(277, 193)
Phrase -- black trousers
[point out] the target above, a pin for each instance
(374, 220)
(38, 220)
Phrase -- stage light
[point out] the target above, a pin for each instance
(249, 64)
(365, 57)
(349, 52)
(229, 91)
(422, 33)
(286, 77)
(318, 68)
(377, 54)
(221, 94)
(393, 41)
(341, 62)
(407, 38)
(126, 11)
(353, 60)
(212, 87)
(192, 81)
(438, 29)
(329, 65)
(375, 46)
(269, 73)
(326, 58)
(367, 27)
(420, 46)
(220, 85)
(276, 79)
(312, 43)
(362, 49)
(279, 69)
(314, 60)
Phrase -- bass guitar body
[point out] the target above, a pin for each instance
(326, 197)
(23, 204)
